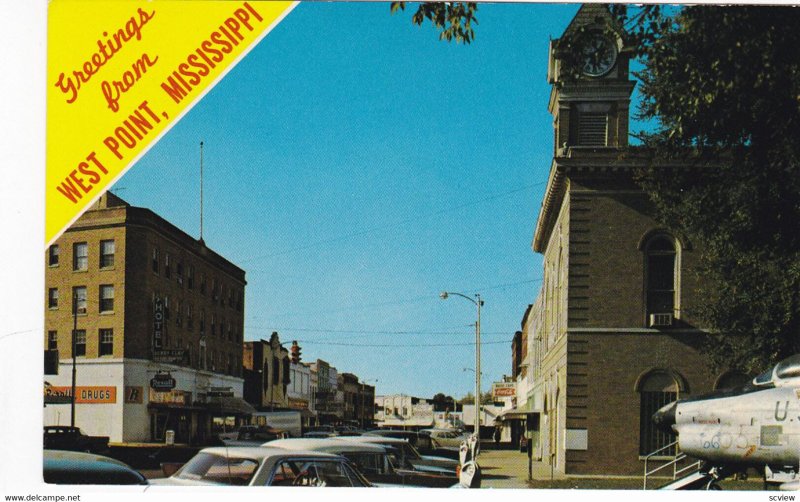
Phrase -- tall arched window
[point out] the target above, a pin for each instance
(656, 389)
(661, 278)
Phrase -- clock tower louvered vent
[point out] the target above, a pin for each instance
(592, 129)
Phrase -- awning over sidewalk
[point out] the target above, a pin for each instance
(520, 412)
(229, 404)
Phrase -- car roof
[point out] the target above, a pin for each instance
(331, 445)
(372, 439)
(259, 452)
(77, 468)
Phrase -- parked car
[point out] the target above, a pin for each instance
(417, 440)
(64, 437)
(253, 435)
(319, 434)
(378, 463)
(446, 437)
(265, 466)
(408, 455)
(77, 468)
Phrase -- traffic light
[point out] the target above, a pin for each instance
(295, 352)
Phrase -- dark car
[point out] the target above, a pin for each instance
(76, 468)
(63, 437)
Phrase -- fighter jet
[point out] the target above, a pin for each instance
(757, 425)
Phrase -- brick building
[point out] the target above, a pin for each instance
(266, 374)
(149, 300)
(611, 337)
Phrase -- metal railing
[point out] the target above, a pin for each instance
(677, 458)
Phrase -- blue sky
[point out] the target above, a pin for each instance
(356, 166)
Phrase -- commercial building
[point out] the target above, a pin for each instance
(266, 374)
(157, 319)
(299, 392)
(612, 336)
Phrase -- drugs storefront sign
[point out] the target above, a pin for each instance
(83, 395)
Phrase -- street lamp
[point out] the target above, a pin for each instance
(374, 380)
(478, 303)
(75, 311)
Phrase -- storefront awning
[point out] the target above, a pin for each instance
(519, 412)
(229, 404)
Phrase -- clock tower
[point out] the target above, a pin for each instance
(590, 103)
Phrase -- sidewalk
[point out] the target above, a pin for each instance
(509, 469)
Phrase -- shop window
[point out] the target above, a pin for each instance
(106, 298)
(53, 255)
(52, 298)
(661, 275)
(107, 249)
(80, 256)
(657, 390)
(80, 342)
(106, 342)
(52, 340)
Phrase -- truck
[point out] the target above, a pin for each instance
(288, 421)
(63, 437)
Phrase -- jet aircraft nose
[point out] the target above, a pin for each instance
(664, 418)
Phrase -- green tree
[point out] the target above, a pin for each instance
(722, 85)
(454, 20)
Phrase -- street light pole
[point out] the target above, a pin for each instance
(478, 303)
(74, 358)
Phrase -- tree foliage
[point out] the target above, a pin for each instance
(723, 86)
(454, 20)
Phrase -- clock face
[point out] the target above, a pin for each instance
(599, 56)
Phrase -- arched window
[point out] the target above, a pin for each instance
(656, 389)
(661, 279)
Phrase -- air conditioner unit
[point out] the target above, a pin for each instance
(660, 320)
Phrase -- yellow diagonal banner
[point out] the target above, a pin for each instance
(121, 73)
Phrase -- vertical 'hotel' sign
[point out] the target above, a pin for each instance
(158, 323)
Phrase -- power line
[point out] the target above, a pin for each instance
(416, 299)
(373, 332)
(372, 345)
(391, 225)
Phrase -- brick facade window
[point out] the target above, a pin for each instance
(79, 299)
(106, 298)
(107, 250)
(661, 275)
(155, 260)
(190, 276)
(655, 391)
(80, 342)
(53, 255)
(166, 265)
(106, 337)
(80, 256)
(52, 340)
(52, 298)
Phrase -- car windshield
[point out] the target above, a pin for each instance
(763, 378)
(218, 469)
(789, 367)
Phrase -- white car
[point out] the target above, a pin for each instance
(408, 455)
(263, 466)
(445, 437)
(382, 464)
